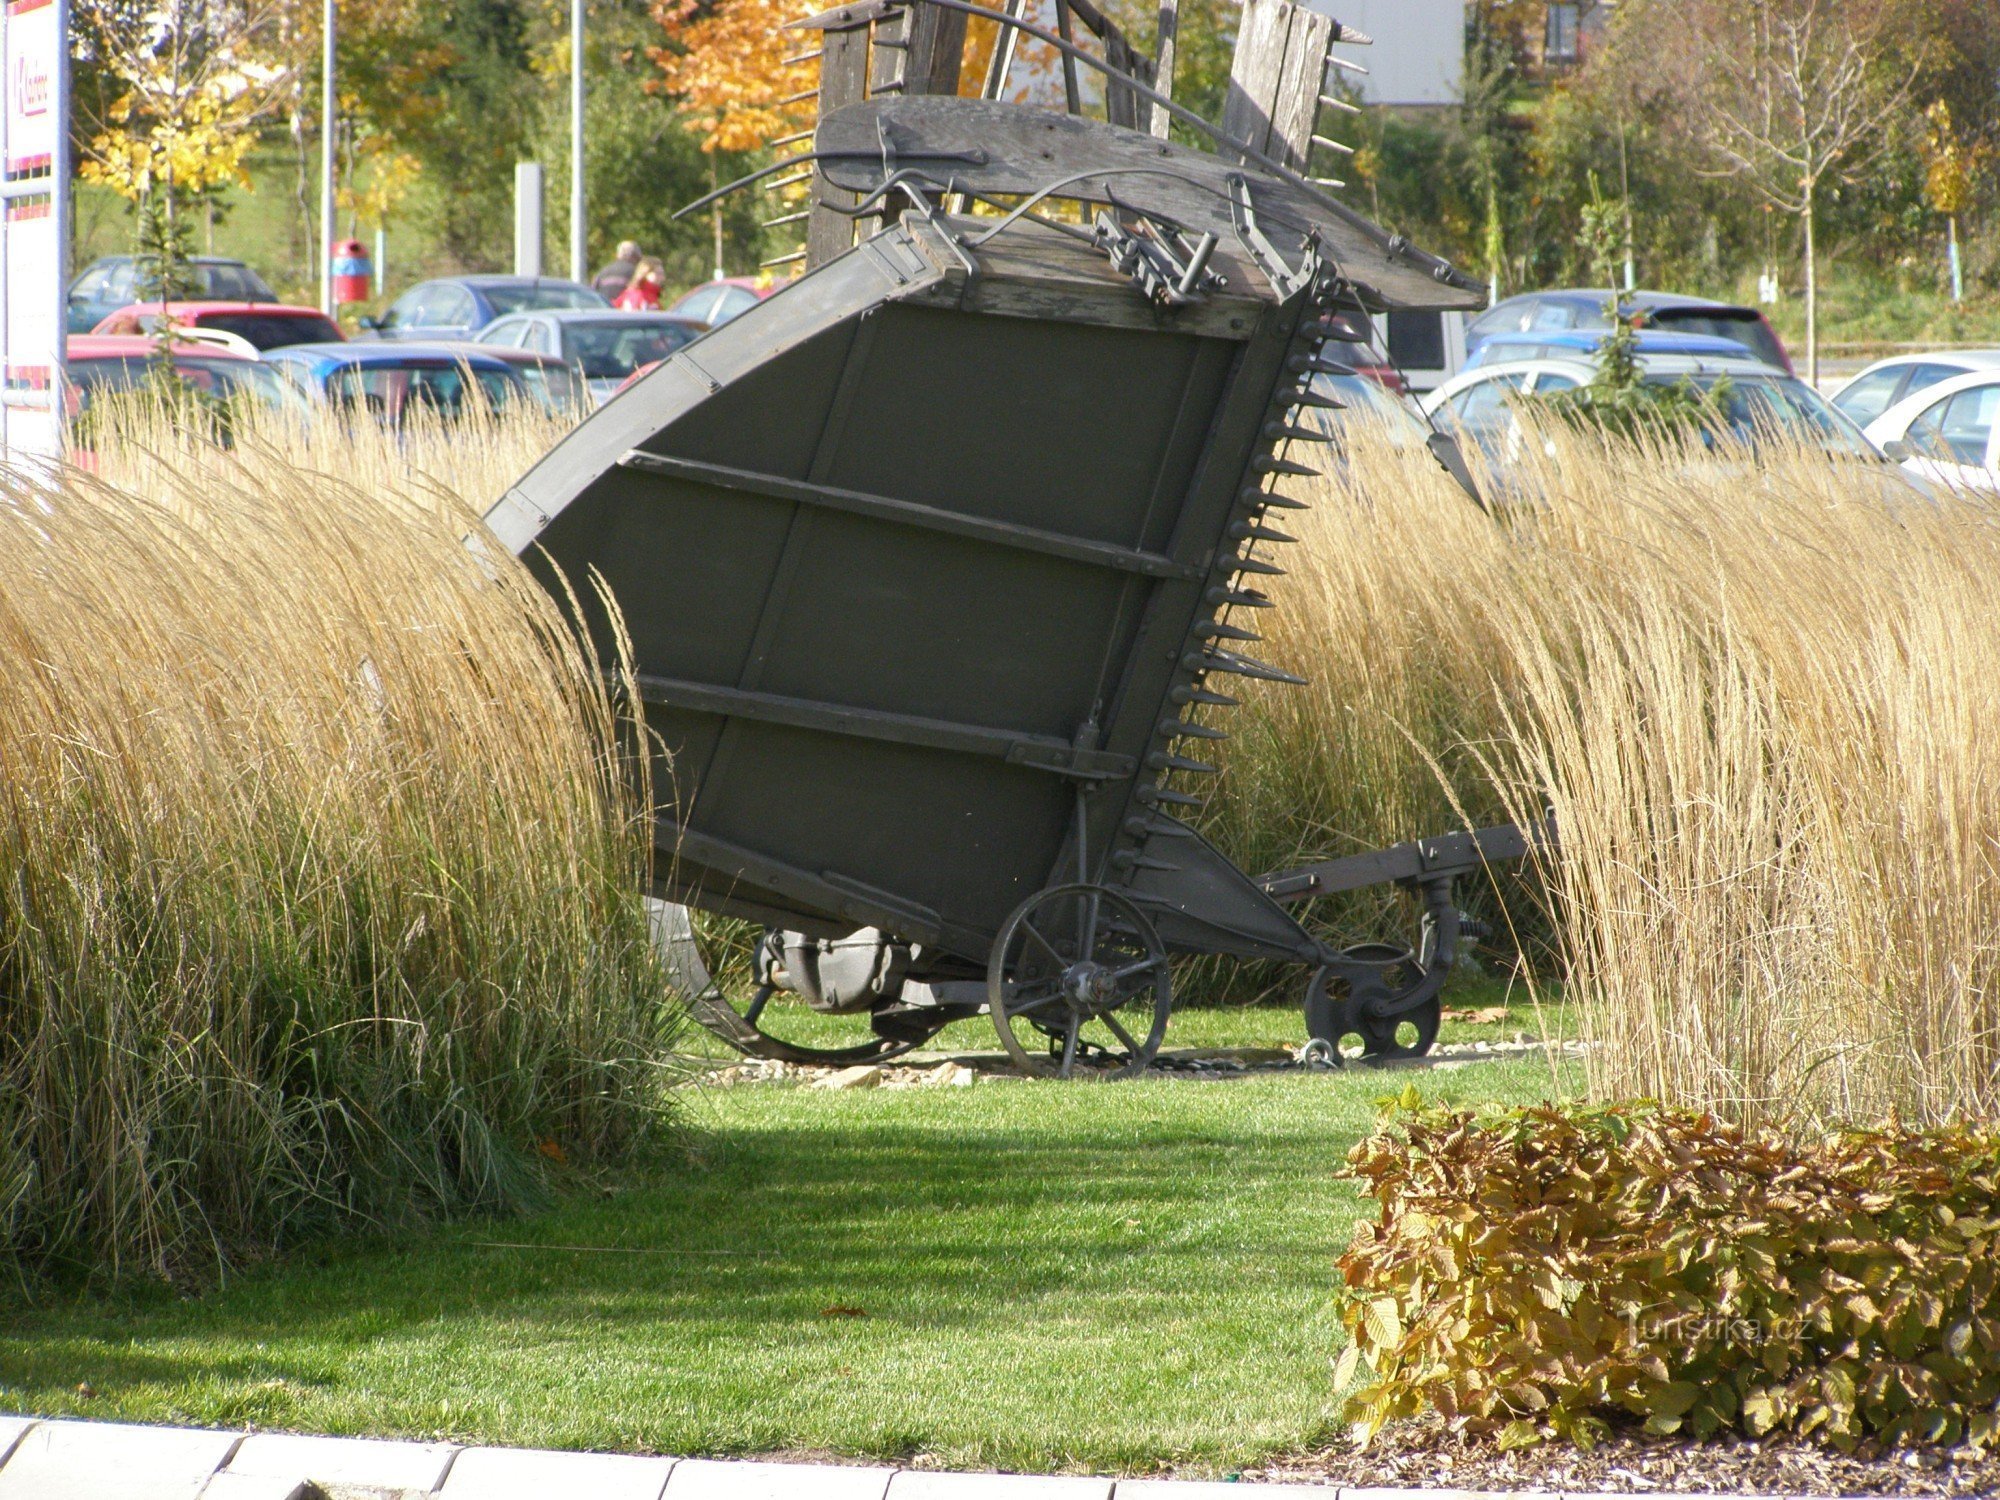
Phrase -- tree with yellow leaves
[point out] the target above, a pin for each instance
(724, 65)
(182, 86)
(1950, 164)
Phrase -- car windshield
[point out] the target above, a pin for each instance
(1368, 401)
(611, 351)
(392, 392)
(540, 297)
(1747, 329)
(556, 388)
(275, 330)
(1756, 406)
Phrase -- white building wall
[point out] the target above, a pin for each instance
(1419, 51)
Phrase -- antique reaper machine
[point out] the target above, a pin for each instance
(933, 562)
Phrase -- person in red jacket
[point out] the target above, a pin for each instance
(643, 293)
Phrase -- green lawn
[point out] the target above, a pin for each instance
(1111, 1276)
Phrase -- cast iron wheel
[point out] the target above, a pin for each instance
(1334, 1015)
(897, 1030)
(741, 1029)
(1079, 972)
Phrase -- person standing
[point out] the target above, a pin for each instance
(642, 292)
(610, 283)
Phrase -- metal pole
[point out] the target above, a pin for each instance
(326, 129)
(578, 267)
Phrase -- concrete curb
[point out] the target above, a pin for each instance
(64, 1459)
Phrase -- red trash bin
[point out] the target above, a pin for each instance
(352, 272)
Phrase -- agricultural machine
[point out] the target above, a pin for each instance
(934, 564)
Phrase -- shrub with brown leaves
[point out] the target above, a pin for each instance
(1541, 1272)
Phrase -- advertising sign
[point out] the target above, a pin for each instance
(34, 148)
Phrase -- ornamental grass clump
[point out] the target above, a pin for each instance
(1548, 1271)
(318, 860)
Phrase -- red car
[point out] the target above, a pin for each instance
(99, 362)
(262, 325)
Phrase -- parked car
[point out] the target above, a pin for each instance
(97, 363)
(1512, 348)
(555, 385)
(1425, 346)
(1759, 399)
(260, 325)
(716, 302)
(606, 347)
(457, 307)
(115, 281)
(1584, 309)
(391, 381)
(1948, 432)
(1889, 381)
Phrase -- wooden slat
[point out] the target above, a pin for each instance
(843, 72)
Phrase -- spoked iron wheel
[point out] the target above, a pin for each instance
(1079, 981)
(1347, 1005)
(894, 1031)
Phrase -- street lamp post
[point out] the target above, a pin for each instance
(578, 267)
(326, 128)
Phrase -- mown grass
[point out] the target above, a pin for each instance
(1533, 1012)
(1047, 1276)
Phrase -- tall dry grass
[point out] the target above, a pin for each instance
(316, 869)
(1762, 699)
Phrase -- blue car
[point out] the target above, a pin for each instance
(1582, 310)
(391, 382)
(1503, 348)
(112, 282)
(457, 307)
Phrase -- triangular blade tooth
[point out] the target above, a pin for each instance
(1153, 796)
(1257, 566)
(1270, 463)
(1217, 630)
(1286, 502)
(1161, 760)
(1315, 399)
(1183, 696)
(1218, 660)
(1279, 431)
(1245, 531)
(1181, 729)
(1224, 598)
(1157, 826)
(1132, 859)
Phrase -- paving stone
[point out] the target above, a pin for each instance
(11, 1429)
(932, 1485)
(1216, 1489)
(339, 1460)
(718, 1479)
(538, 1474)
(227, 1486)
(113, 1461)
